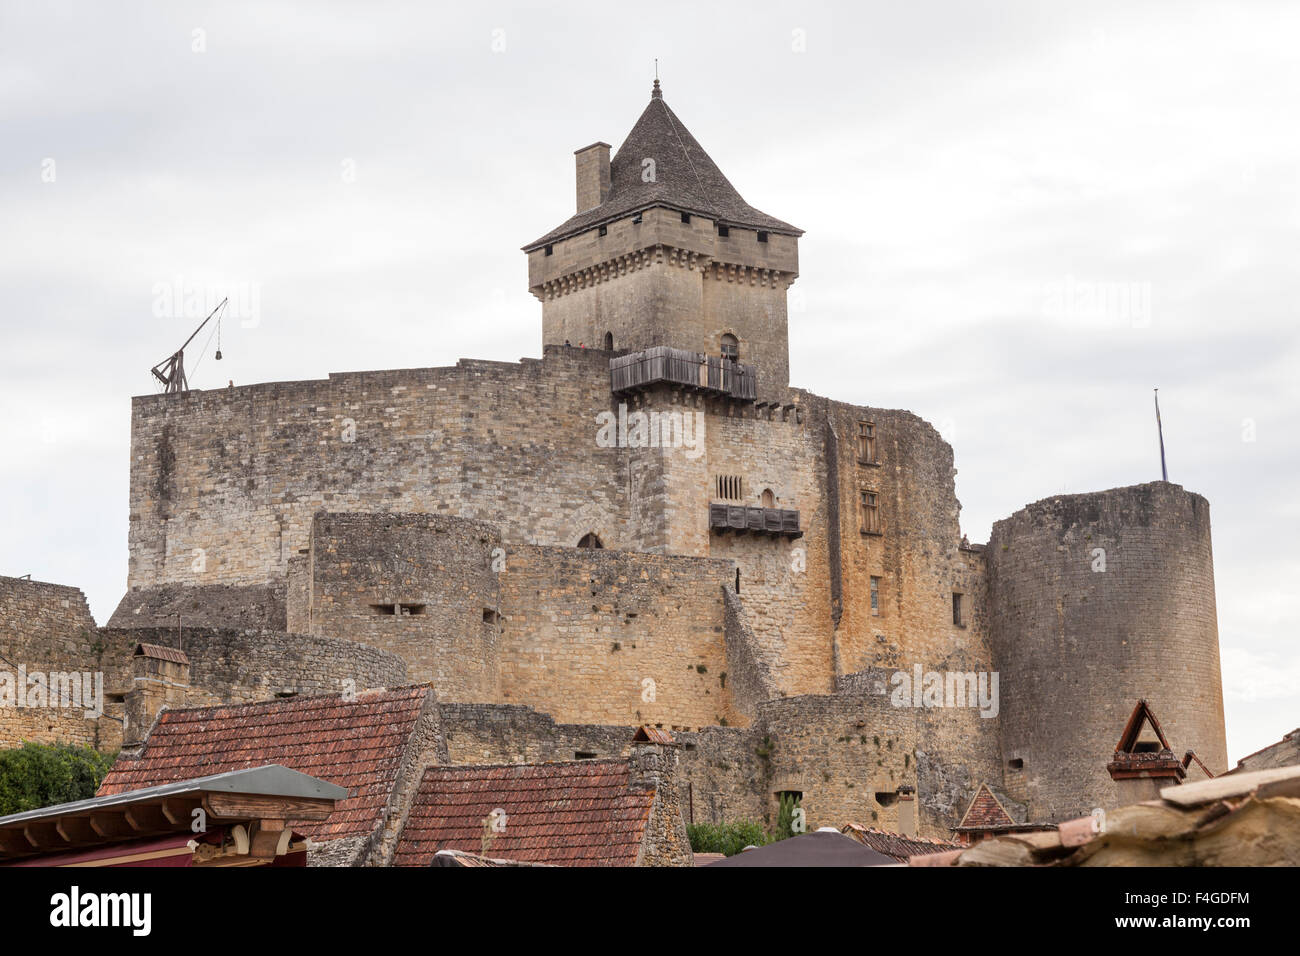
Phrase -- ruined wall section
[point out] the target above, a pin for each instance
(225, 483)
(620, 637)
(203, 605)
(1077, 646)
(232, 666)
(915, 551)
(847, 754)
(47, 629)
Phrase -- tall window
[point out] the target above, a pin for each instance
(870, 512)
(731, 347)
(609, 341)
(769, 499)
(875, 596)
(958, 611)
(867, 442)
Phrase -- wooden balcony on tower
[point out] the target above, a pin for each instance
(747, 519)
(694, 370)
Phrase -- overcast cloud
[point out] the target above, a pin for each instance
(1020, 217)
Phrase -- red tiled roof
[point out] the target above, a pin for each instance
(985, 812)
(897, 845)
(357, 744)
(572, 814)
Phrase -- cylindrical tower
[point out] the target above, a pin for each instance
(1098, 600)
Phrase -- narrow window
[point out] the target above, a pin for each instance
(867, 442)
(604, 230)
(729, 487)
(723, 231)
(769, 499)
(548, 250)
(686, 217)
(762, 236)
(870, 512)
(731, 347)
(609, 341)
(958, 615)
(875, 596)
(636, 220)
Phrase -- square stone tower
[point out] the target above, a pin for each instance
(663, 251)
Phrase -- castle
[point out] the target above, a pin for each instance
(647, 526)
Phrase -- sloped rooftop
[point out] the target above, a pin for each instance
(572, 814)
(357, 744)
(685, 179)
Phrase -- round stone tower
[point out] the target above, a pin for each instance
(1098, 600)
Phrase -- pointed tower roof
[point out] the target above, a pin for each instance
(985, 812)
(684, 178)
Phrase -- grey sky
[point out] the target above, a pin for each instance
(1020, 216)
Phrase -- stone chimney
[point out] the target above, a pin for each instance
(593, 175)
(907, 810)
(653, 760)
(160, 677)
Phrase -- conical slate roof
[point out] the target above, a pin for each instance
(685, 178)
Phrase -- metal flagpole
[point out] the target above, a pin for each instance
(1164, 472)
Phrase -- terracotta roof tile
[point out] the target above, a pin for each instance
(571, 814)
(357, 744)
(985, 812)
(900, 847)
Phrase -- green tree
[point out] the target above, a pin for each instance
(726, 838)
(785, 817)
(40, 775)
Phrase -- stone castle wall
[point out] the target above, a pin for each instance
(232, 666)
(229, 480)
(216, 488)
(48, 628)
(848, 755)
(424, 587)
(600, 636)
(1077, 646)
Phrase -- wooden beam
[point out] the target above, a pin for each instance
(179, 810)
(14, 842)
(246, 806)
(44, 835)
(146, 817)
(77, 830)
(111, 824)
